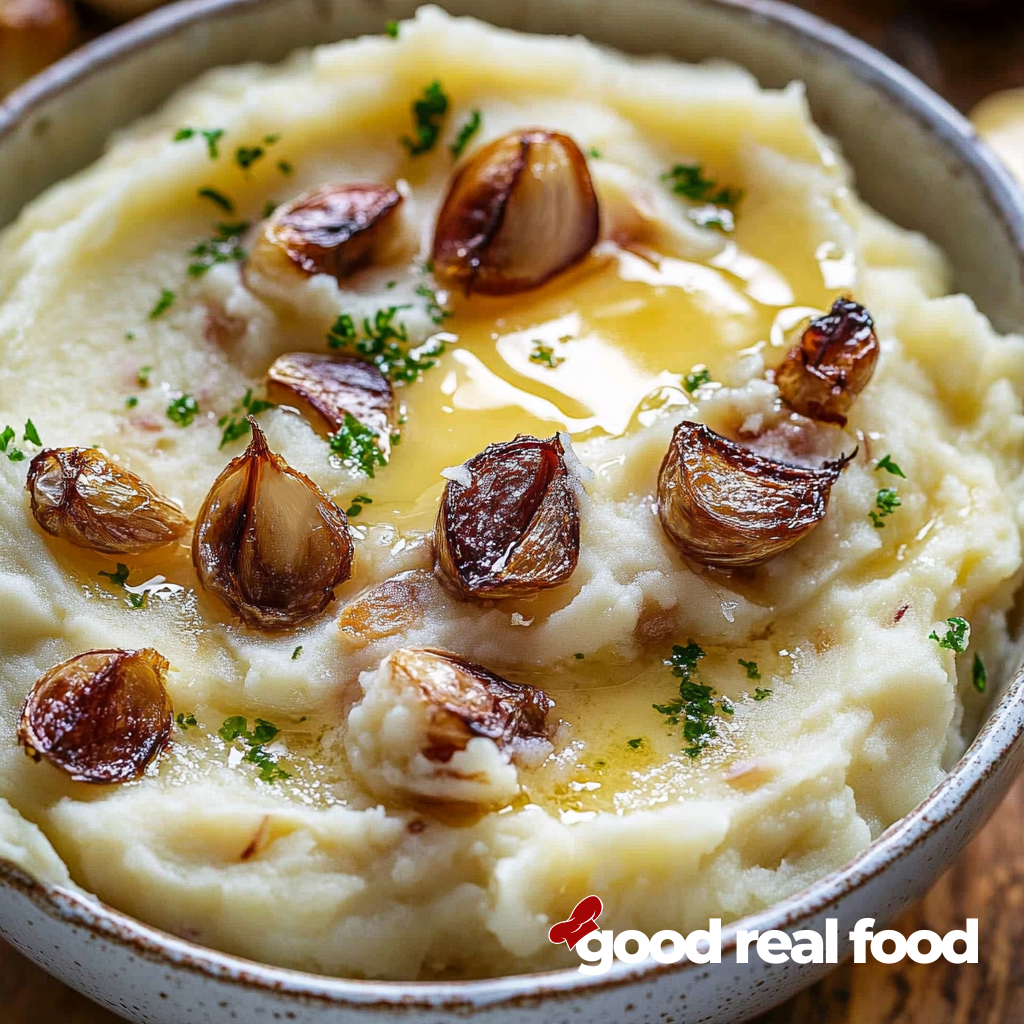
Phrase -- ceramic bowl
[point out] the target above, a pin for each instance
(916, 160)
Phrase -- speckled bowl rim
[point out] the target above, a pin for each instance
(993, 745)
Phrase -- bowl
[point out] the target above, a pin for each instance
(915, 159)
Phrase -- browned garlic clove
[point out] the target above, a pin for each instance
(102, 716)
(33, 33)
(509, 525)
(726, 507)
(461, 727)
(80, 495)
(833, 363)
(334, 229)
(520, 211)
(268, 542)
(326, 387)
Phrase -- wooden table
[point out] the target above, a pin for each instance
(964, 50)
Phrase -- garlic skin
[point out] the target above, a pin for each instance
(85, 498)
(515, 529)
(833, 363)
(324, 387)
(726, 507)
(101, 716)
(268, 542)
(434, 727)
(520, 211)
(333, 229)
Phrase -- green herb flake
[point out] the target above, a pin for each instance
(163, 304)
(469, 128)
(544, 355)
(119, 577)
(296, 653)
(224, 246)
(579, 655)
(131, 402)
(391, 29)
(142, 376)
(272, 140)
(7, 437)
(635, 744)
(236, 423)
(16, 455)
(979, 677)
(31, 434)
(751, 667)
(233, 728)
(129, 335)
(285, 167)
(210, 135)
(958, 635)
(697, 377)
(183, 410)
(270, 770)
(138, 600)
(186, 722)
(343, 332)
(435, 310)
(356, 446)
(384, 342)
(762, 693)
(594, 153)
(218, 198)
(696, 705)
(688, 181)
(886, 502)
(428, 113)
(268, 208)
(246, 156)
(889, 466)
(236, 727)
(358, 503)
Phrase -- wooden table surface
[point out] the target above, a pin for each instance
(964, 49)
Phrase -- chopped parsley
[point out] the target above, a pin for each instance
(469, 128)
(545, 355)
(236, 423)
(211, 135)
(357, 505)
(285, 167)
(119, 577)
(268, 208)
(383, 342)
(594, 153)
(435, 310)
(762, 693)
(696, 705)
(7, 437)
(31, 434)
(635, 744)
(889, 466)
(224, 246)
(356, 445)
(163, 304)
(391, 29)
(236, 727)
(131, 401)
(579, 656)
(186, 722)
(428, 112)
(696, 377)
(142, 376)
(218, 198)
(978, 674)
(16, 455)
(751, 667)
(246, 156)
(296, 653)
(129, 335)
(688, 181)
(958, 635)
(183, 410)
(886, 502)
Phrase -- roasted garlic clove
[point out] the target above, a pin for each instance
(33, 33)
(726, 507)
(326, 387)
(509, 524)
(334, 229)
(85, 498)
(435, 726)
(520, 211)
(833, 363)
(268, 542)
(101, 716)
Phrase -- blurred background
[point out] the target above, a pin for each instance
(972, 53)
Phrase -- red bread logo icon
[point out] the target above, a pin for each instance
(582, 921)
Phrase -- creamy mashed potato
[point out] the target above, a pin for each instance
(328, 869)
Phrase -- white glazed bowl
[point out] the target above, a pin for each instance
(916, 160)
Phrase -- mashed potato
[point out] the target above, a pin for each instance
(845, 711)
